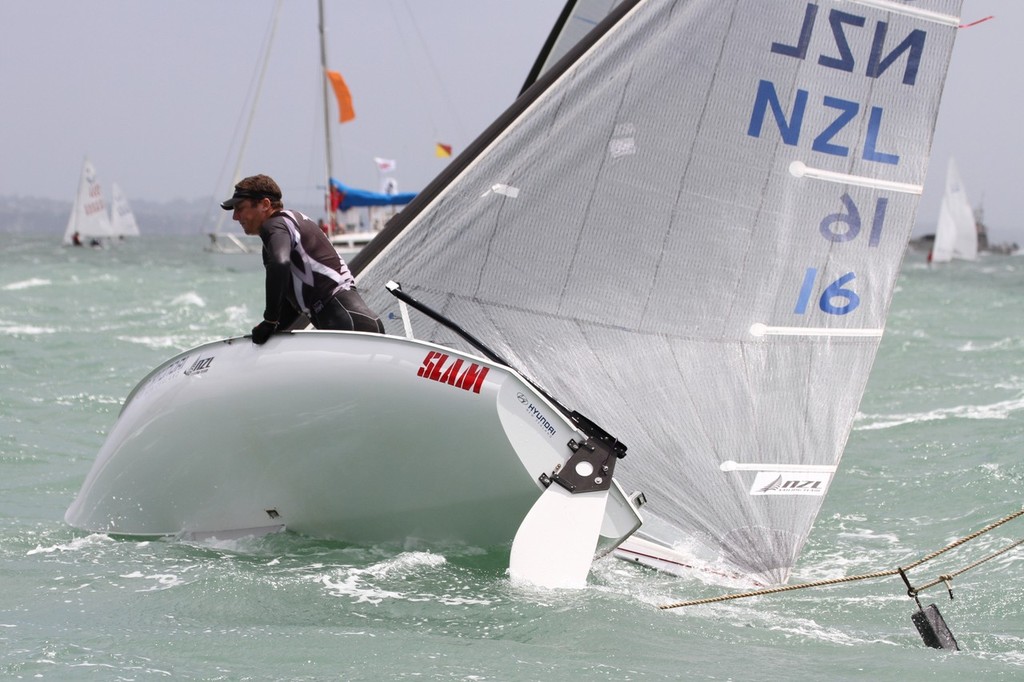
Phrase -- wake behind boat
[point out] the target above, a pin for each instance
(769, 188)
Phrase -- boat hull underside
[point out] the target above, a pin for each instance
(336, 435)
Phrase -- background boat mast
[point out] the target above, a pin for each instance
(327, 118)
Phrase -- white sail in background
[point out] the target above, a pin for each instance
(88, 219)
(956, 235)
(577, 19)
(692, 234)
(122, 219)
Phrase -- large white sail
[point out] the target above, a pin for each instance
(122, 219)
(956, 235)
(691, 234)
(88, 219)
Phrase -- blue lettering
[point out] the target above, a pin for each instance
(845, 226)
(879, 221)
(877, 65)
(800, 49)
(878, 62)
(767, 97)
(805, 291)
(871, 152)
(851, 219)
(837, 290)
(845, 61)
(848, 110)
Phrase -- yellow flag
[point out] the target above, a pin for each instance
(443, 150)
(345, 110)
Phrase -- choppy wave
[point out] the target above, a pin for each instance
(1000, 410)
(171, 341)
(370, 584)
(190, 298)
(1008, 343)
(26, 284)
(25, 329)
(78, 544)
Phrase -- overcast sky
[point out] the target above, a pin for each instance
(155, 94)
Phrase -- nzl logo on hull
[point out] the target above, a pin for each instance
(789, 483)
(468, 376)
(199, 366)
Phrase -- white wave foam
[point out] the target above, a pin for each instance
(86, 542)
(163, 581)
(157, 342)
(86, 398)
(1000, 410)
(1001, 344)
(25, 330)
(27, 284)
(191, 298)
(356, 582)
(237, 314)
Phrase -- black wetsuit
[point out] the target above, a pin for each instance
(306, 276)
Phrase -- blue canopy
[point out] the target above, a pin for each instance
(350, 197)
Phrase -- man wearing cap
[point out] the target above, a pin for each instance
(305, 275)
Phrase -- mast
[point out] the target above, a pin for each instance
(327, 117)
(236, 174)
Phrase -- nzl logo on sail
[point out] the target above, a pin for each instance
(789, 483)
(437, 368)
(199, 366)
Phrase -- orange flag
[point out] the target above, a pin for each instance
(345, 110)
(443, 150)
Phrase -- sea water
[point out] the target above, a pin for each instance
(935, 454)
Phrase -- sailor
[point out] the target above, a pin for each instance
(305, 275)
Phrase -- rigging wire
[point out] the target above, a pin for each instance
(252, 97)
(453, 111)
(912, 591)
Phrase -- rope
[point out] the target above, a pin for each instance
(869, 576)
(949, 576)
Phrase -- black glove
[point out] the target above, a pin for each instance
(262, 332)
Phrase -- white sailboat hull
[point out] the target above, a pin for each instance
(342, 435)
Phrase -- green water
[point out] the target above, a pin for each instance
(935, 454)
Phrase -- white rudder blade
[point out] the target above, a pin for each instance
(554, 546)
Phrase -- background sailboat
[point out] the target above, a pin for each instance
(576, 20)
(956, 235)
(122, 219)
(89, 221)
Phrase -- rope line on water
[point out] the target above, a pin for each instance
(946, 578)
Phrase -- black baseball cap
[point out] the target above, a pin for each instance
(255, 187)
